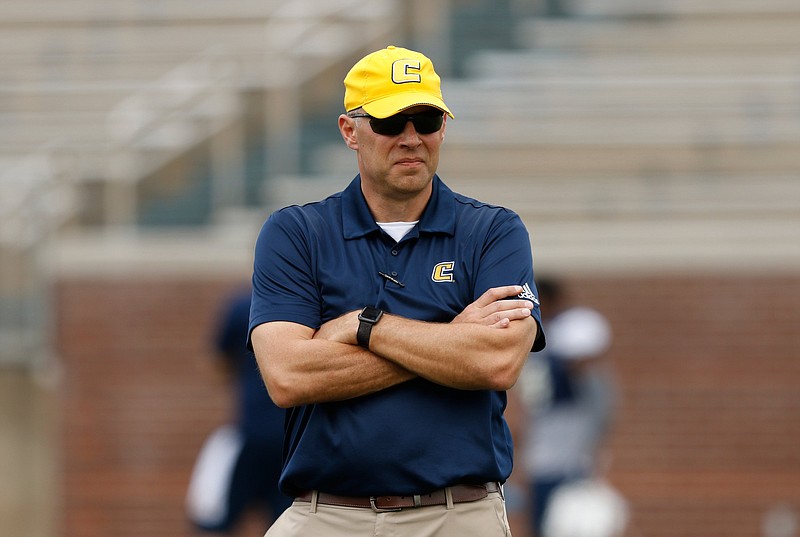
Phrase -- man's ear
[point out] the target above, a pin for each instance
(347, 127)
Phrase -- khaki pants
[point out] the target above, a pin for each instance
(482, 518)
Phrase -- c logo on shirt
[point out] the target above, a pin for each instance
(402, 71)
(443, 272)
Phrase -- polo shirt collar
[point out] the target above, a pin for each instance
(438, 217)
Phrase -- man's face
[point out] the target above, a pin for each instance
(395, 166)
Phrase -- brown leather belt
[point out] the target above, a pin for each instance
(459, 493)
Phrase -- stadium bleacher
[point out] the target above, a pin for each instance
(630, 136)
(107, 107)
(97, 97)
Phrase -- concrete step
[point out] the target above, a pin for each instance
(60, 46)
(607, 8)
(656, 36)
(664, 222)
(98, 13)
(34, 129)
(546, 160)
(628, 96)
(661, 245)
(48, 12)
(75, 100)
(666, 196)
(575, 127)
(532, 64)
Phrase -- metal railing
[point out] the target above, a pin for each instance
(162, 119)
(37, 195)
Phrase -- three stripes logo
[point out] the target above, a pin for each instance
(528, 294)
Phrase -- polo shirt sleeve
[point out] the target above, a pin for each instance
(506, 259)
(283, 284)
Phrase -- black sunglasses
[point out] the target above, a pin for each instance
(424, 122)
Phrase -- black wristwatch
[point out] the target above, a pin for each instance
(366, 319)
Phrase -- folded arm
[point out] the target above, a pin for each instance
(484, 347)
(464, 356)
(298, 369)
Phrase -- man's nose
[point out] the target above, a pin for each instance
(410, 136)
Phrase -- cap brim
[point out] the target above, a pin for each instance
(394, 104)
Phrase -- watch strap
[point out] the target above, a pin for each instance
(363, 333)
(366, 319)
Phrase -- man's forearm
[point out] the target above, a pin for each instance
(303, 370)
(466, 356)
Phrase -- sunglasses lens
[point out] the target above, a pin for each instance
(390, 126)
(428, 123)
(425, 123)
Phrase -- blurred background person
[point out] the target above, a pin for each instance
(568, 397)
(240, 463)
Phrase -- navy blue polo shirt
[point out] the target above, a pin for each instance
(317, 261)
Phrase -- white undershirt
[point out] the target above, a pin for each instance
(397, 230)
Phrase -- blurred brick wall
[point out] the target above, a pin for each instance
(140, 394)
(707, 440)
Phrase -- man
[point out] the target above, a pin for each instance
(568, 393)
(240, 463)
(390, 318)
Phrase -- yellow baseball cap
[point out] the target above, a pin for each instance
(388, 81)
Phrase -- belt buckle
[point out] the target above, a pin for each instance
(372, 504)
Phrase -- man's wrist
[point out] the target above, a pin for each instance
(367, 318)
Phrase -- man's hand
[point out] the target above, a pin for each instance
(493, 308)
(342, 329)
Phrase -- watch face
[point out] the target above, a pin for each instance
(370, 314)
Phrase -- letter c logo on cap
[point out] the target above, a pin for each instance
(405, 71)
